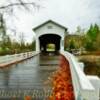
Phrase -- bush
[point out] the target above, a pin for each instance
(4, 51)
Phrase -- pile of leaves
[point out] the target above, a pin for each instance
(61, 82)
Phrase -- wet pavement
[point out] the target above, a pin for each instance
(30, 74)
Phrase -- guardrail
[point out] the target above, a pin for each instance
(9, 59)
(83, 88)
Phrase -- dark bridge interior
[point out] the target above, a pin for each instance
(50, 39)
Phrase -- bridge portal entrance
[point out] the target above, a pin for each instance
(50, 36)
(49, 43)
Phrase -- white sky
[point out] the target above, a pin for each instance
(70, 13)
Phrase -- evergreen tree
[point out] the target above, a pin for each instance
(91, 37)
(72, 45)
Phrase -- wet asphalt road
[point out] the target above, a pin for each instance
(29, 74)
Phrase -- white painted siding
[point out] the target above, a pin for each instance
(56, 29)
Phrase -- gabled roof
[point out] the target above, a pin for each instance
(48, 22)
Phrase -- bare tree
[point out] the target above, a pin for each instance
(8, 9)
(22, 38)
(2, 26)
(18, 4)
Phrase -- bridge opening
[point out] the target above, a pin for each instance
(50, 47)
(50, 43)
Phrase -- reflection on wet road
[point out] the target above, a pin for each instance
(28, 74)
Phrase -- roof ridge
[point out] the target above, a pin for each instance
(50, 20)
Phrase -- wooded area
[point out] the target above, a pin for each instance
(85, 40)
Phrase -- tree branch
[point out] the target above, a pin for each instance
(18, 4)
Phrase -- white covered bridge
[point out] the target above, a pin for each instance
(85, 87)
(50, 32)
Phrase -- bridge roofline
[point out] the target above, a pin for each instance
(56, 23)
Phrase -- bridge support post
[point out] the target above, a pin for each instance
(37, 45)
(62, 45)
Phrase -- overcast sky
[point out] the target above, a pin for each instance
(70, 13)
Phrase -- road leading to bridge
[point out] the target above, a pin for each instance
(28, 74)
